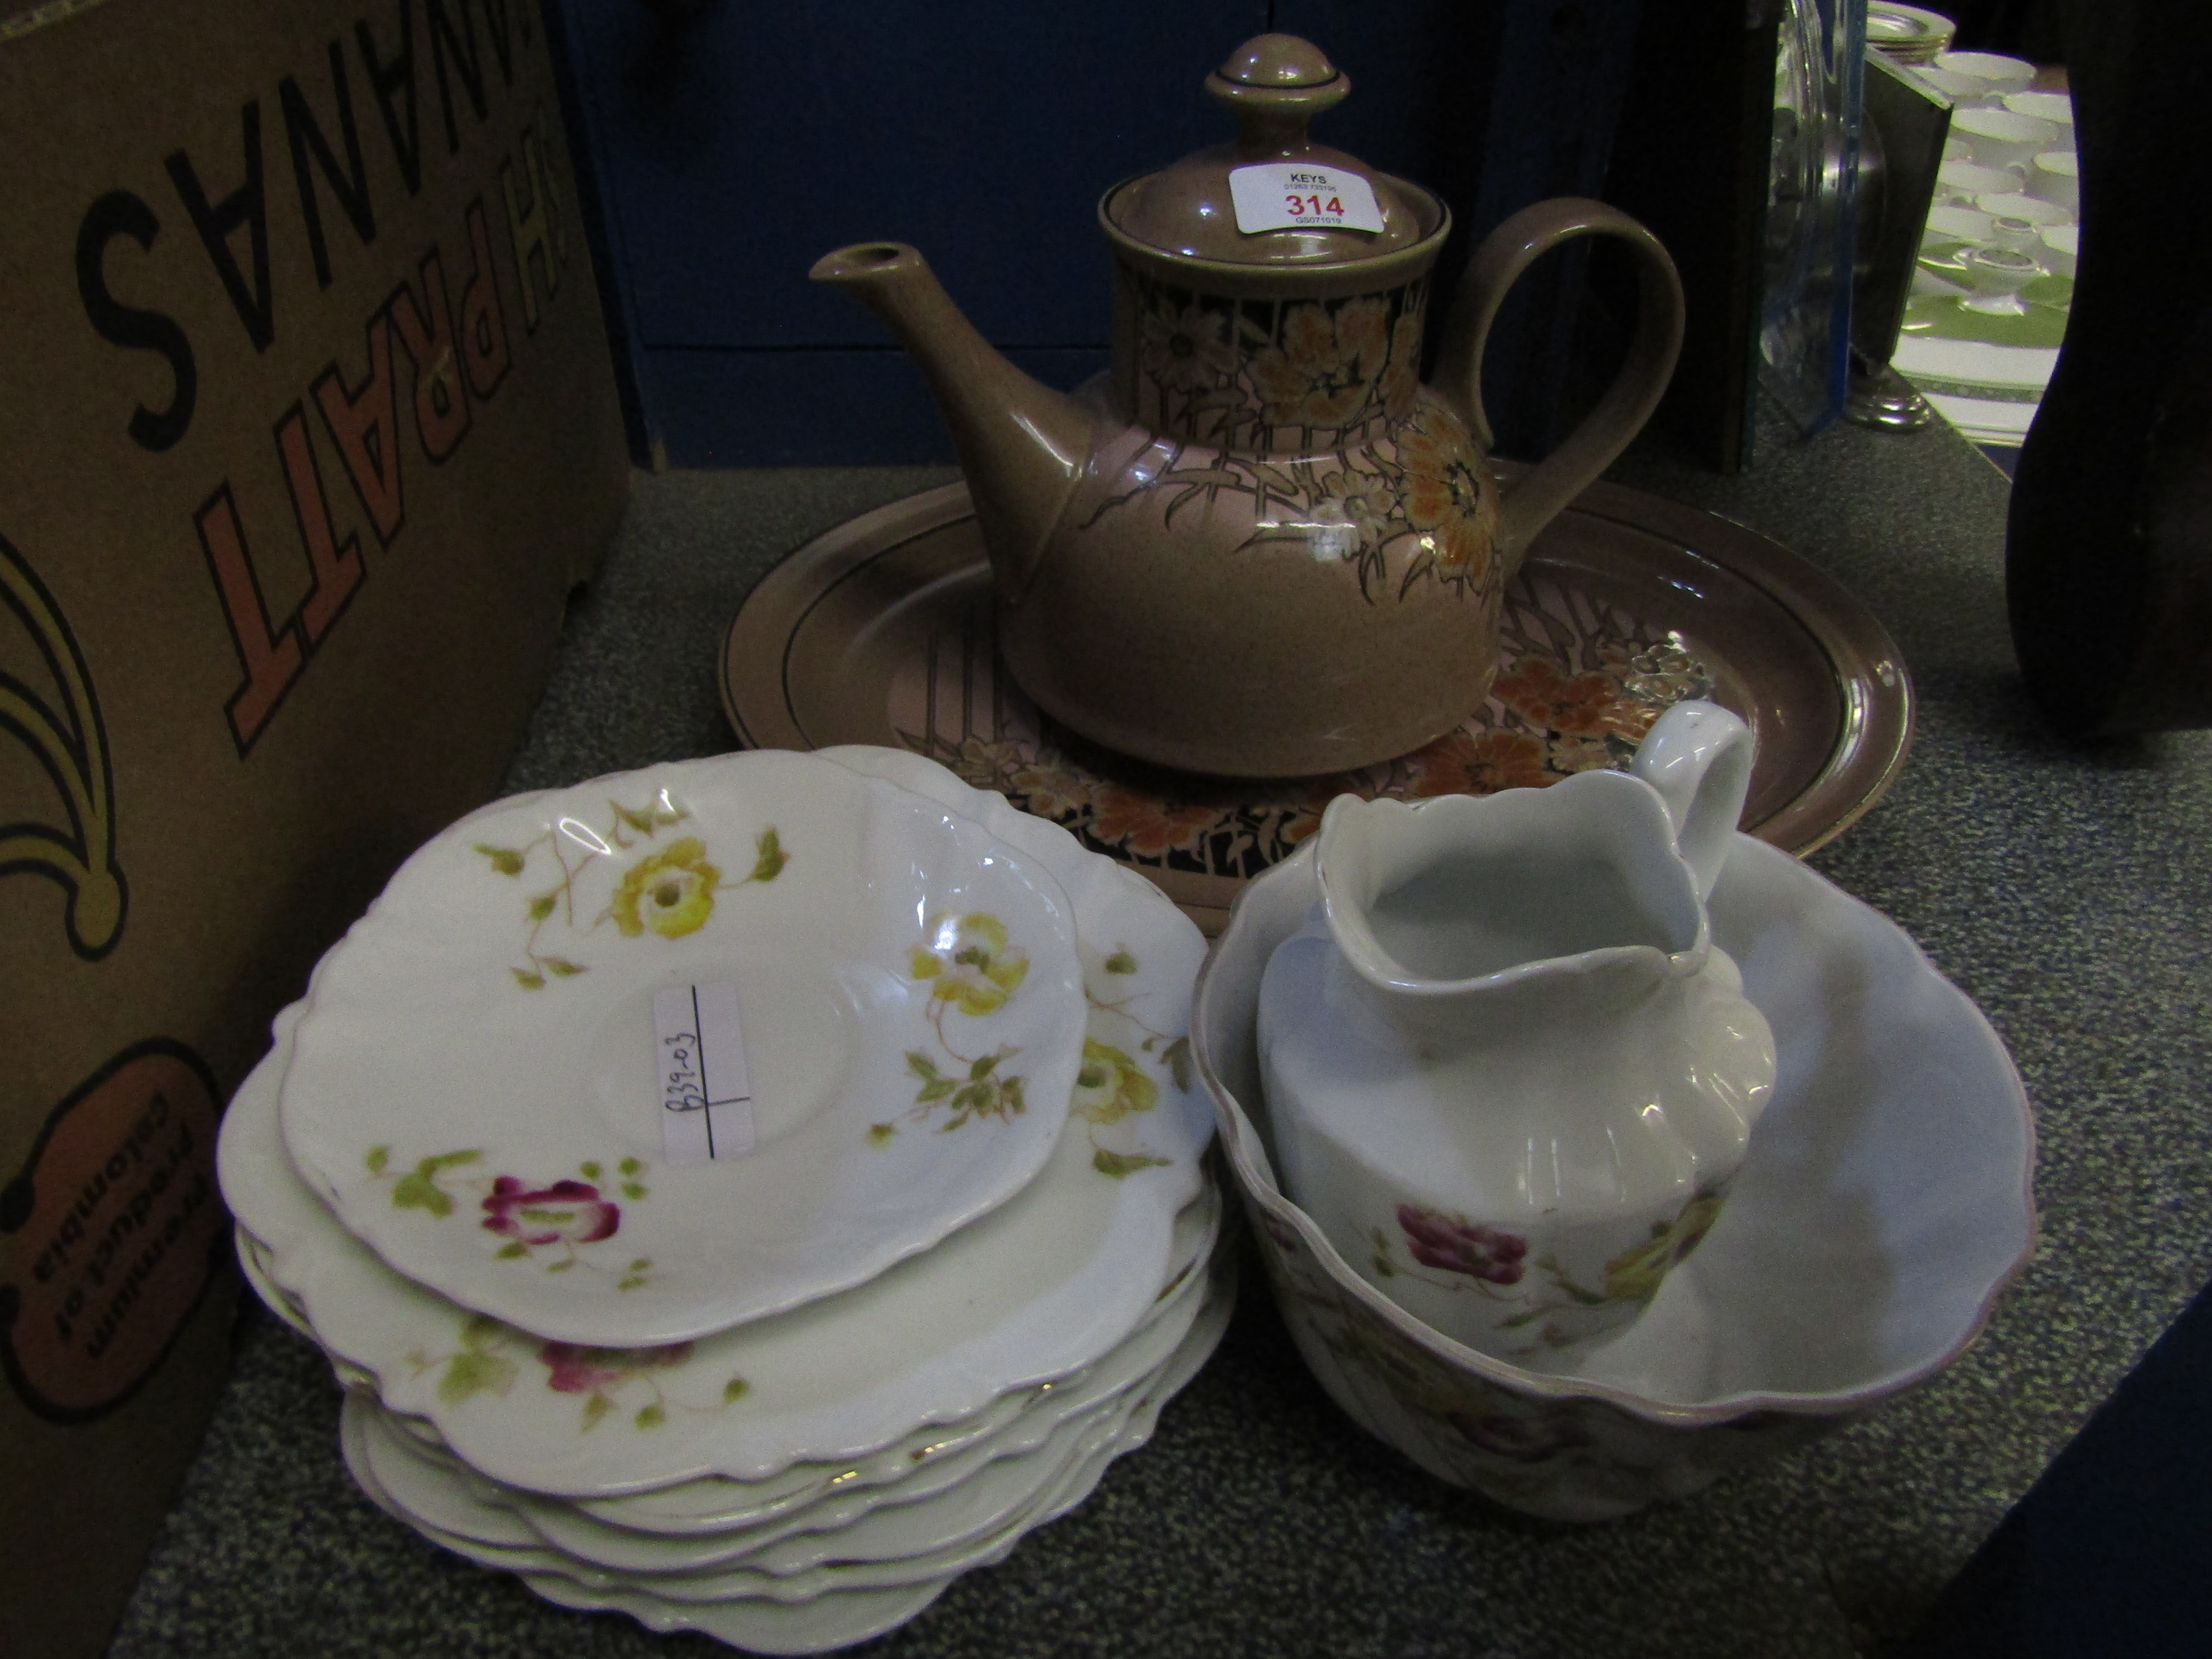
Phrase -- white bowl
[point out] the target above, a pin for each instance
(1962, 224)
(1999, 138)
(1885, 1205)
(1958, 184)
(2056, 177)
(2003, 73)
(2055, 107)
(2062, 246)
(2017, 204)
(1964, 91)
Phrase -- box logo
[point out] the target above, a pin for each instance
(111, 1234)
(69, 743)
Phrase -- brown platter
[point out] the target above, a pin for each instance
(880, 632)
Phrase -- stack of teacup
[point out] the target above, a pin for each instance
(746, 1192)
(2010, 181)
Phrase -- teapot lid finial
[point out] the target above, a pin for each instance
(1278, 74)
(1275, 83)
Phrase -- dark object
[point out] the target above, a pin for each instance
(1901, 137)
(1690, 161)
(2111, 1551)
(2108, 557)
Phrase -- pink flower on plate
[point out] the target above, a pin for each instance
(569, 1210)
(593, 1370)
(1457, 1246)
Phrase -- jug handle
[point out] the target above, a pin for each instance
(1698, 755)
(1536, 497)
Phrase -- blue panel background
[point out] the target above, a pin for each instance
(727, 146)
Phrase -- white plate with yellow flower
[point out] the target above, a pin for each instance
(1042, 1286)
(633, 1062)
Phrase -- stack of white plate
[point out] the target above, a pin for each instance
(746, 1192)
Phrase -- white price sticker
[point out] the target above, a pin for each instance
(1298, 195)
(706, 1097)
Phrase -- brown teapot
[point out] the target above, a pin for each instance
(1258, 545)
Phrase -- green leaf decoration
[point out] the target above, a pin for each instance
(475, 1371)
(1119, 1165)
(769, 865)
(650, 1417)
(481, 1330)
(446, 1161)
(377, 1158)
(564, 968)
(560, 1267)
(920, 1064)
(526, 979)
(589, 1170)
(1520, 1319)
(631, 1189)
(1382, 1267)
(1121, 963)
(417, 1191)
(641, 1264)
(505, 860)
(629, 1282)
(595, 1408)
(643, 821)
(629, 1166)
(1013, 1088)
(542, 906)
(513, 1250)
(736, 1388)
(880, 1133)
(1177, 1055)
(984, 1066)
(934, 1091)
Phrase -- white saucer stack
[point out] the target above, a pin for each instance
(745, 1193)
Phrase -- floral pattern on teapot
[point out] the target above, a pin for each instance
(1263, 376)
(1314, 411)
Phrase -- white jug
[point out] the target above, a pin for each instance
(1509, 1073)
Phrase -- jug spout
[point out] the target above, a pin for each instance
(1022, 444)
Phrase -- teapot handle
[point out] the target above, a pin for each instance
(1536, 497)
(1698, 755)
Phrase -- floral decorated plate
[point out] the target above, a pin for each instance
(639, 1060)
(831, 1529)
(915, 1541)
(825, 1607)
(912, 1539)
(594, 1532)
(1044, 1285)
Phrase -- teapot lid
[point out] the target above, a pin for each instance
(1273, 197)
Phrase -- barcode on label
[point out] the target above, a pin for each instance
(706, 1097)
(1298, 195)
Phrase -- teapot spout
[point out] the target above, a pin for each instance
(1023, 445)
